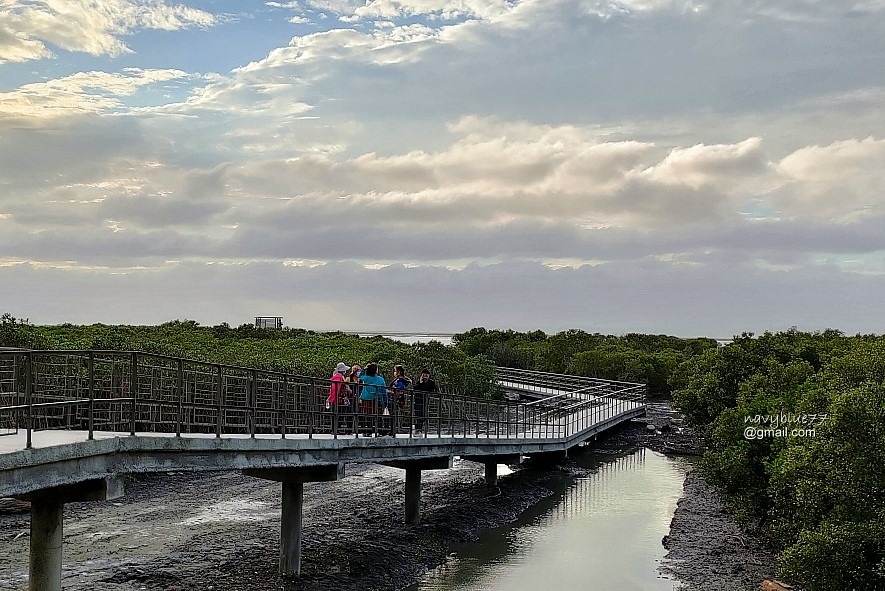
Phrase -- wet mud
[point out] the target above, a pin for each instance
(183, 532)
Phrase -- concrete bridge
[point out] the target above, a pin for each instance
(73, 422)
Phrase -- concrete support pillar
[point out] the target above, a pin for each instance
(413, 495)
(491, 463)
(413, 470)
(46, 537)
(47, 525)
(292, 519)
(290, 528)
(492, 473)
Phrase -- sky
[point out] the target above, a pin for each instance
(661, 166)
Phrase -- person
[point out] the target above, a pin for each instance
(424, 387)
(339, 395)
(352, 379)
(399, 384)
(373, 397)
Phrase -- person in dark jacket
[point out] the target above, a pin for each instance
(423, 389)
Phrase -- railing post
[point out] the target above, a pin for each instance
(16, 388)
(29, 396)
(252, 404)
(91, 393)
(133, 391)
(335, 411)
(439, 407)
(219, 394)
(179, 387)
(464, 415)
(285, 399)
(411, 418)
(310, 405)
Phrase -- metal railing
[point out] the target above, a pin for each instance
(545, 385)
(135, 392)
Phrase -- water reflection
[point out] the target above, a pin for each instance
(602, 532)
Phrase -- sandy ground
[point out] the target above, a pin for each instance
(183, 531)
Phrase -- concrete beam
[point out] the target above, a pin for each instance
(550, 457)
(443, 463)
(496, 458)
(328, 473)
(102, 489)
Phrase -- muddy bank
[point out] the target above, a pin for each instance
(707, 550)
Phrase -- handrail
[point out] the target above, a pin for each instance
(548, 376)
(134, 391)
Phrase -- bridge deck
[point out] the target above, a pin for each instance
(59, 457)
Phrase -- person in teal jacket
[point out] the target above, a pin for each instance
(373, 398)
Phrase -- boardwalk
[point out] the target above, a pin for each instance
(75, 420)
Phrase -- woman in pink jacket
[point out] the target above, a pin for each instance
(339, 396)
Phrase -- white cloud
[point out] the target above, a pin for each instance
(700, 165)
(16, 46)
(840, 181)
(84, 92)
(86, 26)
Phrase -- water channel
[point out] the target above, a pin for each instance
(598, 533)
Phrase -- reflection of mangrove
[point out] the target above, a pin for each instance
(572, 498)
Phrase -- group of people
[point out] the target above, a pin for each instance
(366, 392)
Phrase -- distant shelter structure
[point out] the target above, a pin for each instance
(268, 322)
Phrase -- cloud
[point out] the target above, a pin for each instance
(16, 46)
(94, 28)
(700, 165)
(723, 299)
(722, 144)
(78, 94)
(841, 180)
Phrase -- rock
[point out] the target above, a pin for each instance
(651, 428)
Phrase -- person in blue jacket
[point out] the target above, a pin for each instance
(373, 397)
